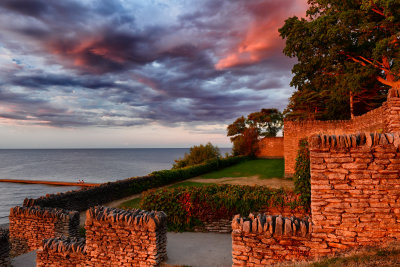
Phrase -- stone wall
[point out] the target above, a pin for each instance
(4, 248)
(270, 147)
(215, 226)
(355, 190)
(263, 240)
(62, 252)
(294, 131)
(29, 226)
(114, 237)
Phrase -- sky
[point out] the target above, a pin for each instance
(138, 73)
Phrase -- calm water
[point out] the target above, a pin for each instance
(90, 165)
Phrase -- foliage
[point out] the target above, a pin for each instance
(264, 168)
(302, 173)
(190, 206)
(164, 177)
(347, 54)
(197, 155)
(245, 132)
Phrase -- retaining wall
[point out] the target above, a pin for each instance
(373, 121)
(114, 237)
(355, 190)
(4, 248)
(263, 240)
(270, 147)
(29, 226)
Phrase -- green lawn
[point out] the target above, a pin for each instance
(264, 168)
(132, 204)
(189, 183)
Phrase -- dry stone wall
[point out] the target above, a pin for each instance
(355, 190)
(215, 226)
(29, 226)
(114, 237)
(62, 252)
(373, 121)
(263, 240)
(4, 248)
(270, 147)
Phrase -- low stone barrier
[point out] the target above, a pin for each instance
(216, 226)
(114, 237)
(62, 252)
(264, 239)
(30, 226)
(4, 248)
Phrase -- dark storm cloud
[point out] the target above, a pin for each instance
(117, 70)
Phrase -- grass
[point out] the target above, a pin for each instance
(131, 204)
(264, 168)
(189, 183)
(366, 257)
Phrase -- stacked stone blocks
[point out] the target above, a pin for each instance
(264, 239)
(373, 121)
(114, 237)
(355, 190)
(30, 226)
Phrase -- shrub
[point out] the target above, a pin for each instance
(302, 174)
(197, 155)
(190, 206)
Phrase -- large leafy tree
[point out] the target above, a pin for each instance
(245, 132)
(348, 56)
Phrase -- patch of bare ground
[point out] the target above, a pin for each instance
(251, 180)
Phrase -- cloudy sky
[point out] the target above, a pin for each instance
(138, 73)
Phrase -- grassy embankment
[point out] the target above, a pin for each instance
(366, 257)
(261, 168)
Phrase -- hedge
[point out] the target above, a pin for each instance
(302, 174)
(83, 199)
(191, 206)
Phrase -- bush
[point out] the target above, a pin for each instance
(190, 206)
(197, 155)
(302, 174)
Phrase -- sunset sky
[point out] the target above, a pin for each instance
(138, 73)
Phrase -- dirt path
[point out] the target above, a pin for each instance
(275, 183)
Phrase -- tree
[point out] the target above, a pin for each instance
(347, 52)
(198, 155)
(245, 132)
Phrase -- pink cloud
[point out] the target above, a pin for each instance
(262, 39)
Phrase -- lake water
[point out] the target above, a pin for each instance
(71, 165)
